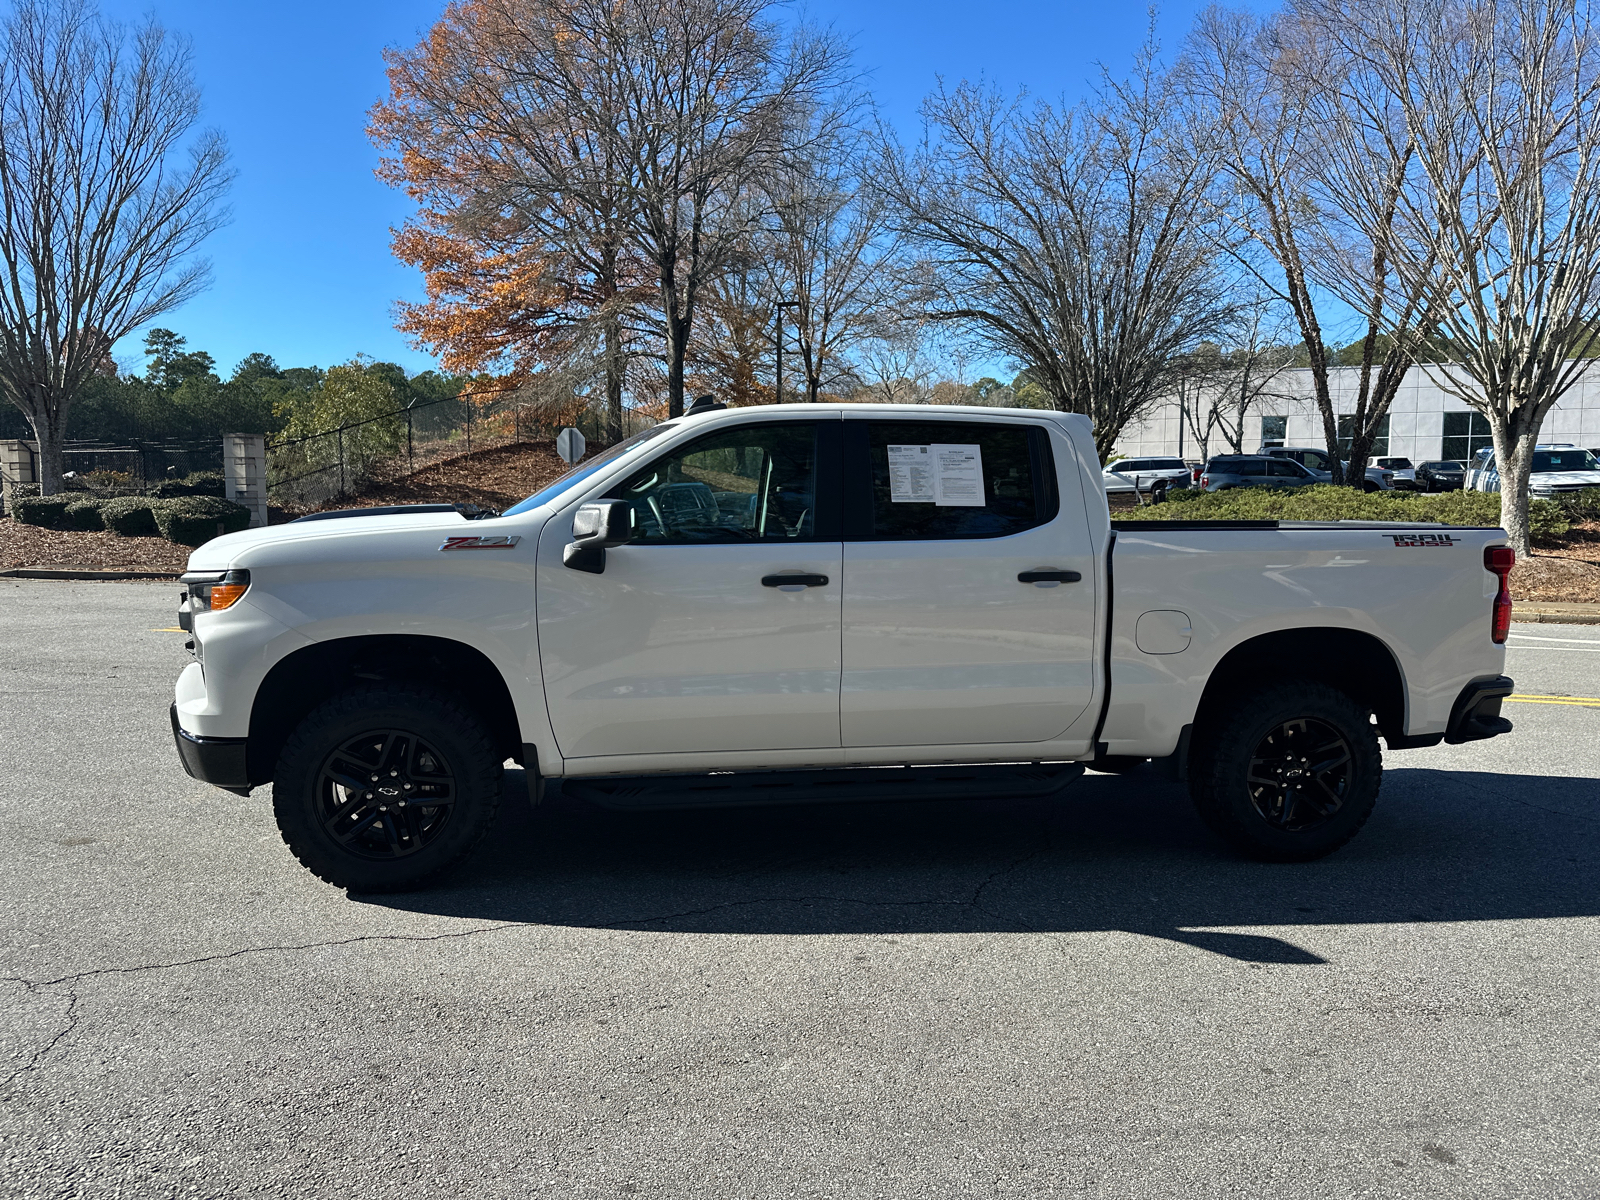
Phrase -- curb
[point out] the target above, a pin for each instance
(1551, 614)
(53, 573)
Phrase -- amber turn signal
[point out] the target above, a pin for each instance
(223, 595)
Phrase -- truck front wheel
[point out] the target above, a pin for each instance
(382, 787)
(1289, 773)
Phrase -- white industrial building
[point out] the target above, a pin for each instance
(1424, 424)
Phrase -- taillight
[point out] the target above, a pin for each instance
(1194, 474)
(1205, 481)
(1499, 560)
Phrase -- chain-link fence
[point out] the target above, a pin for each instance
(309, 472)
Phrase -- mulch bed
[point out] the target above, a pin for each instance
(29, 546)
(1565, 574)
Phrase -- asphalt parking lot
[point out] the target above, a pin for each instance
(1080, 997)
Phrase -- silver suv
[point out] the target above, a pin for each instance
(1146, 475)
(1317, 461)
(1228, 471)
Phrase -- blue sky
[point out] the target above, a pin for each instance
(304, 271)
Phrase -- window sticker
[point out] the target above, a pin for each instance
(958, 482)
(911, 475)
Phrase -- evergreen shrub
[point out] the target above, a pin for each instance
(48, 512)
(85, 514)
(130, 516)
(201, 483)
(193, 520)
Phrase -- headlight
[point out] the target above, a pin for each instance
(213, 591)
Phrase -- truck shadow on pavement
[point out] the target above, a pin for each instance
(1107, 853)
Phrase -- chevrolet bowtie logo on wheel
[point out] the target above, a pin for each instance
(1423, 539)
(497, 542)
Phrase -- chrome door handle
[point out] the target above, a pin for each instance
(794, 581)
(1048, 576)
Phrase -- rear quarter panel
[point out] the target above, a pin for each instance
(1429, 604)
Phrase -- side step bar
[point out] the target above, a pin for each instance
(986, 781)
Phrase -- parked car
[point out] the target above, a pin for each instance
(1148, 476)
(1318, 460)
(824, 602)
(1442, 476)
(1254, 470)
(1401, 473)
(1559, 468)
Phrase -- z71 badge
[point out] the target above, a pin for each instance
(1423, 539)
(497, 542)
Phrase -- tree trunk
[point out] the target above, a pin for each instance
(677, 331)
(614, 432)
(1514, 438)
(49, 434)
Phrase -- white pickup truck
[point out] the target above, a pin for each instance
(836, 602)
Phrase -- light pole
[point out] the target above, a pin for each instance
(780, 306)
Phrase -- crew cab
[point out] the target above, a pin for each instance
(1558, 469)
(840, 602)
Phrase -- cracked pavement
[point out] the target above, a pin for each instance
(1084, 996)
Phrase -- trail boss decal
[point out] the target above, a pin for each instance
(1423, 539)
(497, 542)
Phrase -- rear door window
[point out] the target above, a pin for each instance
(942, 480)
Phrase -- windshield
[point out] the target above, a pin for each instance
(1564, 460)
(582, 471)
(1395, 464)
(1443, 466)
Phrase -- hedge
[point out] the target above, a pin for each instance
(201, 483)
(1582, 506)
(192, 520)
(130, 516)
(1323, 502)
(49, 512)
(85, 514)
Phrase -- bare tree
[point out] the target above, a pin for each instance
(896, 366)
(1498, 213)
(1068, 241)
(1300, 145)
(830, 248)
(99, 210)
(1221, 384)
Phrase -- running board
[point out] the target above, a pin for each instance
(1008, 781)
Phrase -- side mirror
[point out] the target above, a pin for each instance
(594, 527)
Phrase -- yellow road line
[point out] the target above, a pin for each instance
(1577, 701)
(170, 629)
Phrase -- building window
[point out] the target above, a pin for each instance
(1274, 430)
(1347, 433)
(1465, 433)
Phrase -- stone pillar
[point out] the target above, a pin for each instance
(18, 464)
(244, 468)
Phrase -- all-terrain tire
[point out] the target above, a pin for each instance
(417, 742)
(1253, 777)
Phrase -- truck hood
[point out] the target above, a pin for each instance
(234, 549)
(1547, 479)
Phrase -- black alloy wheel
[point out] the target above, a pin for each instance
(385, 794)
(383, 786)
(1300, 774)
(1287, 773)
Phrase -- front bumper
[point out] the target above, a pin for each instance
(214, 760)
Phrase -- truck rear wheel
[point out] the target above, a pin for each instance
(383, 787)
(1289, 773)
